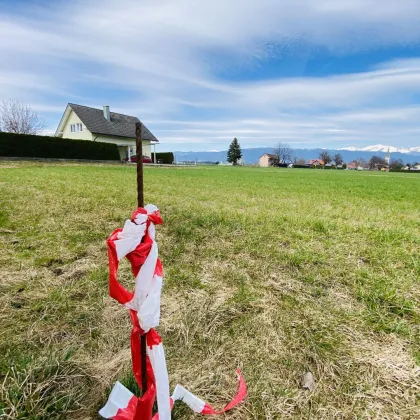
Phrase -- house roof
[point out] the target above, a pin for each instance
(312, 161)
(119, 125)
(270, 155)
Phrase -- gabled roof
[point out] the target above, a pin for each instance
(312, 161)
(271, 156)
(119, 125)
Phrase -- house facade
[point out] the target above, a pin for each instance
(85, 123)
(268, 159)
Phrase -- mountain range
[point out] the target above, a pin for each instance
(382, 148)
(252, 156)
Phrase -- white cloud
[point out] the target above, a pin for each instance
(160, 60)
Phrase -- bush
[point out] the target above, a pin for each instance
(165, 157)
(27, 145)
(407, 171)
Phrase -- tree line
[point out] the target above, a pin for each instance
(286, 155)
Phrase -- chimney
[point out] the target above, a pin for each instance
(106, 112)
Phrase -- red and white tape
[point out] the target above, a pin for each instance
(136, 242)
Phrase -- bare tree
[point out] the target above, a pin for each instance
(300, 161)
(284, 152)
(396, 164)
(325, 156)
(377, 162)
(16, 117)
(338, 159)
(360, 162)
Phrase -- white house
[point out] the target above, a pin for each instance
(268, 159)
(85, 123)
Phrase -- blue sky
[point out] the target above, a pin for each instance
(324, 73)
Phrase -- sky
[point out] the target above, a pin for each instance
(324, 73)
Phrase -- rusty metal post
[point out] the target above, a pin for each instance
(139, 152)
(140, 203)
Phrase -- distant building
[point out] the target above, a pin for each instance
(316, 162)
(352, 165)
(268, 159)
(363, 167)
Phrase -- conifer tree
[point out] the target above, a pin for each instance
(234, 153)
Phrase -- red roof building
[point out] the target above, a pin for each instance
(316, 162)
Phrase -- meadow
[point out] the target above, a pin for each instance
(276, 271)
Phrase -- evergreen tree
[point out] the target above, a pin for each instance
(234, 153)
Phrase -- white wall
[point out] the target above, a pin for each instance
(85, 134)
(147, 149)
(125, 141)
(120, 141)
(264, 161)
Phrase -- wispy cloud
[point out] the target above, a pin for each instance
(163, 61)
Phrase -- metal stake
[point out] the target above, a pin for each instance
(140, 203)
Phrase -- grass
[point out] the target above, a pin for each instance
(276, 271)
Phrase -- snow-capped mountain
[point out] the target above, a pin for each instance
(382, 148)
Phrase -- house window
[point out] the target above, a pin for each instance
(76, 127)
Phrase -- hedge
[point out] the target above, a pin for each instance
(165, 157)
(407, 171)
(27, 145)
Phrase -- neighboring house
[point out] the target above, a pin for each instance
(84, 123)
(364, 167)
(268, 159)
(352, 165)
(316, 162)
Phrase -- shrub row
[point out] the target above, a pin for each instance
(404, 170)
(302, 166)
(328, 167)
(164, 157)
(27, 145)
(285, 165)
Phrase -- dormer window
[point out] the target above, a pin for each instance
(74, 128)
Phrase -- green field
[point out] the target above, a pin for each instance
(276, 271)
